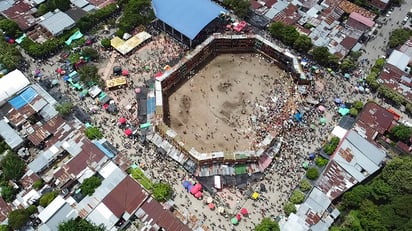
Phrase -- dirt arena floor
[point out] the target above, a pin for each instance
(212, 111)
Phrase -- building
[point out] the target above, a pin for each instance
(380, 4)
(374, 120)
(20, 12)
(354, 160)
(360, 22)
(56, 22)
(185, 19)
(399, 60)
(12, 83)
(316, 213)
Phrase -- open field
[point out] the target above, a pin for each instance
(212, 111)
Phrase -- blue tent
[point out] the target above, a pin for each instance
(186, 184)
(189, 187)
(298, 116)
(312, 156)
(66, 78)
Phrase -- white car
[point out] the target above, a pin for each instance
(389, 13)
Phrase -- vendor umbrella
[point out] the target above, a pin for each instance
(186, 184)
(322, 120)
(137, 90)
(312, 126)
(321, 108)
(158, 74)
(338, 100)
(198, 186)
(238, 217)
(344, 111)
(347, 75)
(234, 221)
(305, 165)
(194, 190)
(125, 72)
(211, 206)
(128, 132)
(312, 156)
(54, 82)
(198, 195)
(244, 211)
(361, 89)
(122, 120)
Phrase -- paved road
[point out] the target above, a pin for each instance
(376, 47)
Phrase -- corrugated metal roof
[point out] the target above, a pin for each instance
(57, 23)
(187, 16)
(9, 135)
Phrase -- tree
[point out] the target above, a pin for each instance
(162, 192)
(353, 198)
(353, 112)
(8, 193)
(38, 184)
(4, 228)
(289, 208)
(358, 105)
(79, 224)
(354, 55)
(90, 52)
(93, 133)
(10, 28)
(65, 108)
(297, 197)
(106, 43)
(289, 35)
(320, 161)
(401, 132)
(32, 209)
(90, 184)
(89, 73)
(275, 29)
(18, 218)
(10, 56)
(240, 7)
(47, 198)
(380, 190)
(398, 175)
(305, 185)
(312, 173)
(267, 224)
(347, 65)
(303, 43)
(321, 55)
(371, 80)
(399, 37)
(13, 167)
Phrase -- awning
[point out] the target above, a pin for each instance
(122, 120)
(255, 195)
(321, 108)
(343, 111)
(244, 211)
(234, 221)
(158, 74)
(128, 132)
(198, 194)
(194, 190)
(198, 186)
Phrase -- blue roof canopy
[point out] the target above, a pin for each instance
(23, 98)
(188, 17)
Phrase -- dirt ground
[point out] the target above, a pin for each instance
(213, 110)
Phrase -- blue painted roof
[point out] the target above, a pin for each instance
(103, 149)
(188, 17)
(23, 98)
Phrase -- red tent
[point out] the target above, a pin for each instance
(211, 206)
(238, 217)
(105, 106)
(198, 194)
(158, 74)
(194, 190)
(244, 211)
(198, 186)
(128, 132)
(59, 70)
(125, 72)
(122, 120)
